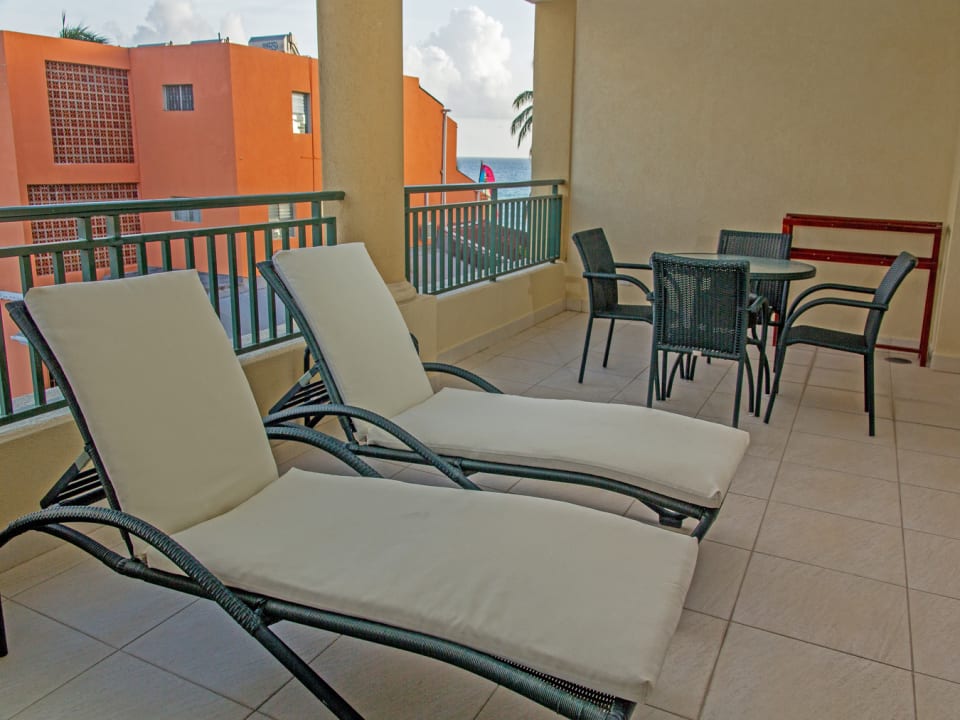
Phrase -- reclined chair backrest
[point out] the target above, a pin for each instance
(160, 393)
(357, 326)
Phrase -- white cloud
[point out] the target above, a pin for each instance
(231, 26)
(173, 21)
(465, 64)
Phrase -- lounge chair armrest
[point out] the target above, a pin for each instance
(828, 286)
(619, 276)
(302, 434)
(444, 466)
(462, 374)
(846, 302)
(51, 521)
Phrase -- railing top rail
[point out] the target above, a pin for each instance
(411, 189)
(125, 207)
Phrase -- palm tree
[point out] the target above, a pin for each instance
(522, 124)
(80, 32)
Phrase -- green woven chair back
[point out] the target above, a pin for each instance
(761, 244)
(900, 268)
(700, 305)
(596, 257)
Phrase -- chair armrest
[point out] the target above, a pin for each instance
(634, 266)
(828, 286)
(317, 439)
(445, 466)
(462, 374)
(845, 302)
(619, 276)
(757, 302)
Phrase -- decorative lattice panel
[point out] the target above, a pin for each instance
(90, 118)
(45, 231)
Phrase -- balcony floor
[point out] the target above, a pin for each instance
(828, 587)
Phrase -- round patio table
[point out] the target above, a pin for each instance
(762, 268)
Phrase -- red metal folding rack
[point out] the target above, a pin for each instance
(930, 263)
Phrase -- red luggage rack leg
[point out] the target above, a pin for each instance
(930, 263)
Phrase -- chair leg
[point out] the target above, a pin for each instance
(606, 353)
(653, 376)
(777, 367)
(736, 398)
(868, 391)
(586, 347)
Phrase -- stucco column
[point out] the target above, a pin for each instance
(553, 88)
(360, 47)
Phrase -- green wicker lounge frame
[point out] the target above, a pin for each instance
(479, 580)
(679, 467)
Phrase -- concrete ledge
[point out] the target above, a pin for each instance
(475, 317)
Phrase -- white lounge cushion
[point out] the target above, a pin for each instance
(162, 392)
(590, 597)
(674, 455)
(361, 332)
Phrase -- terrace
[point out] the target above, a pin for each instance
(826, 587)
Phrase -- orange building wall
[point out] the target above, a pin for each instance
(423, 142)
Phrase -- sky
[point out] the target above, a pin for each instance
(475, 56)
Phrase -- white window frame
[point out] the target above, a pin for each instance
(176, 98)
(300, 108)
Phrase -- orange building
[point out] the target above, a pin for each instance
(82, 121)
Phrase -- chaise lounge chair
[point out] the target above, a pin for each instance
(481, 580)
(678, 466)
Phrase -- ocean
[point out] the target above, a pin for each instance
(504, 170)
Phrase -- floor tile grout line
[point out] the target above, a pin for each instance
(733, 609)
(824, 647)
(66, 682)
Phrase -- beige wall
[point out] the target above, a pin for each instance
(693, 116)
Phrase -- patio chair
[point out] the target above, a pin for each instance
(769, 245)
(602, 276)
(678, 466)
(860, 343)
(701, 306)
(170, 424)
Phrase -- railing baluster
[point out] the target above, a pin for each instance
(88, 257)
(253, 283)
(114, 248)
(234, 290)
(6, 391)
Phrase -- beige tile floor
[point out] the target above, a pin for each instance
(828, 588)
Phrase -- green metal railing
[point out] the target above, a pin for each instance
(225, 255)
(453, 244)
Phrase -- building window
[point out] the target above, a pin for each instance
(90, 116)
(301, 113)
(178, 97)
(190, 216)
(45, 231)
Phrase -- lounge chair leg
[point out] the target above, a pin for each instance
(586, 347)
(868, 392)
(653, 377)
(606, 353)
(305, 674)
(668, 518)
